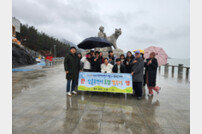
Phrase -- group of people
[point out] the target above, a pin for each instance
(143, 71)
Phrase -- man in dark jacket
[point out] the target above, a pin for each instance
(96, 62)
(118, 67)
(72, 67)
(137, 73)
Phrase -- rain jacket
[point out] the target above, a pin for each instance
(138, 68)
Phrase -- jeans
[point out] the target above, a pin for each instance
(137, 88)
(71, 84)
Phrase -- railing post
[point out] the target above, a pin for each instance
(159, 69)
(166, 69)
(173, 71)
(180, 70)
(187, 72)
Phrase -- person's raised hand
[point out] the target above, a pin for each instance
(150, 62)
(134, 61)
(67, 72)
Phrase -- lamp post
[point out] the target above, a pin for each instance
(54, 50)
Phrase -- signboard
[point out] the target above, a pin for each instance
(105, 82)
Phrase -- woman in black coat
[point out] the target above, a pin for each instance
(128, 62)
(151, 66)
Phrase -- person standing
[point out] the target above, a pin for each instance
(128, 61)
(106, 67)
(122, 58)
(111, 57)
(80, 57)
(101, 57)
(72, 68)
(87, 60)
(151, 66)
(137, 73)
(92, 52)
(118, 67)
(96, 62)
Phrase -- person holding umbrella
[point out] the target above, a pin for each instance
(72, 67)
(151, 66)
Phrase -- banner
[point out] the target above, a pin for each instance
(105, 82)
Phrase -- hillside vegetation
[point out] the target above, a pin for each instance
(41, 42)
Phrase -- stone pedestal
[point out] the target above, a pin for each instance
(118, 52)
(105, 50)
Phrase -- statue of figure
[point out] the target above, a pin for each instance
(101, 33)
(114, 37)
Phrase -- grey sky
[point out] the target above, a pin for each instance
(163, 23)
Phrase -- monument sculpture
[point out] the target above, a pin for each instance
(101, 33)
(112, 39)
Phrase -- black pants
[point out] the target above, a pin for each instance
(87, 70)
(137, 88)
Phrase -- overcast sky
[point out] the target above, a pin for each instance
(162, 23)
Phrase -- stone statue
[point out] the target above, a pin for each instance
(114, 37)
(101, 33)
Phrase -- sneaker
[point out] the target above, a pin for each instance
(139, 98)
(150, 95)
(74, 92)
(69, 94)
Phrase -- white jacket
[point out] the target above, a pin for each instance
(86, 63)
(106, 68)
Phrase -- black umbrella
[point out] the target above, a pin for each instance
(94, 42)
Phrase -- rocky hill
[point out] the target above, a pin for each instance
(21, 57)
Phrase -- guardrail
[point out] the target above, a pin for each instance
(55, 61)
(180, 68)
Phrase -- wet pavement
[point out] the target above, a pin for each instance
(41, 106)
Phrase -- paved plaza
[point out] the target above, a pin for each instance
(41, 106)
